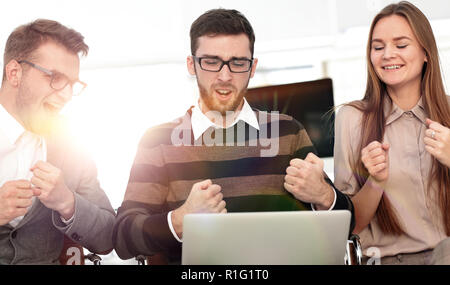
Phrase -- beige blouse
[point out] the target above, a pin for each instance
(409, 170)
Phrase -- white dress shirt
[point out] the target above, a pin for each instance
(19, 151)
(200, 122)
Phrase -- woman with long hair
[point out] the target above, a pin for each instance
(392, 148)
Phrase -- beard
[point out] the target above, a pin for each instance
(32, 114)
(213, 104)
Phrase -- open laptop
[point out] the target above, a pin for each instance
(300, 237)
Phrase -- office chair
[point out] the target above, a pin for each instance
(353, 254)
(156, 259)
(73, 254)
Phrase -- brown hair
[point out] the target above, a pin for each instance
(221, 22)
(435, 104)
(25, 39)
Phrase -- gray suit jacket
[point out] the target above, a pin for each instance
(38, 238)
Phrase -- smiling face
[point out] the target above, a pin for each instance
(396, 54)
(37, 103)
(222, 91)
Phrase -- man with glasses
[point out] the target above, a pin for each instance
(49, 191)
(215, 159)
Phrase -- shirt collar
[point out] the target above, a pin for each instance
(200, 122)
(9, 126)
(392, 112)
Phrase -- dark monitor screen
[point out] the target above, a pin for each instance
(307, 102)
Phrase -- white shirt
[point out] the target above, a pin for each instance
(200, 123)
(19, 151)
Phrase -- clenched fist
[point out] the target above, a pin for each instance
(375, 157)
(437, 141)
(305, 180)
(205, 197)
(52, 191)
(15, 199)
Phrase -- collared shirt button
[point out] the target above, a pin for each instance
(14, 234)
(409, 114)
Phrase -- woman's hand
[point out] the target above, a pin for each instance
(437, 141)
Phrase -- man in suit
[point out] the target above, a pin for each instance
(48, 187)
(221, 156)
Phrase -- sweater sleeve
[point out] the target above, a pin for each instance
(305, 146)
(141, 226)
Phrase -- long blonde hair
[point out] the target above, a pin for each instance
(435, 104)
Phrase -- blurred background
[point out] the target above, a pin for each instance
(136, 67)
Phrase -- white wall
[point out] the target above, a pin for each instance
(136, 66)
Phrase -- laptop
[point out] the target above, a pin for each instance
(266, 238)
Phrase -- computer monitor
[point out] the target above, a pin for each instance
(307, 102)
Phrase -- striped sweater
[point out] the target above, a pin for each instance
(169, 162)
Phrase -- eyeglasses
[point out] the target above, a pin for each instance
(215, 64)
(58, 80)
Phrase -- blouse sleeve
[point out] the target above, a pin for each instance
(347, 138)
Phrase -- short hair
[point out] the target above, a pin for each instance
(221, 22)
(25, 39)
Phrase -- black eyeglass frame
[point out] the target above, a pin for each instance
(224, 62)
(52, 75)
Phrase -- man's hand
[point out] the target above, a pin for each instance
(205, 197)
(375, 157)
(437, 141)
(15, 198)
(53, 192)
(306, 182)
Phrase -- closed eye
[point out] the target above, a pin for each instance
(211, 61)
(238, 63)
